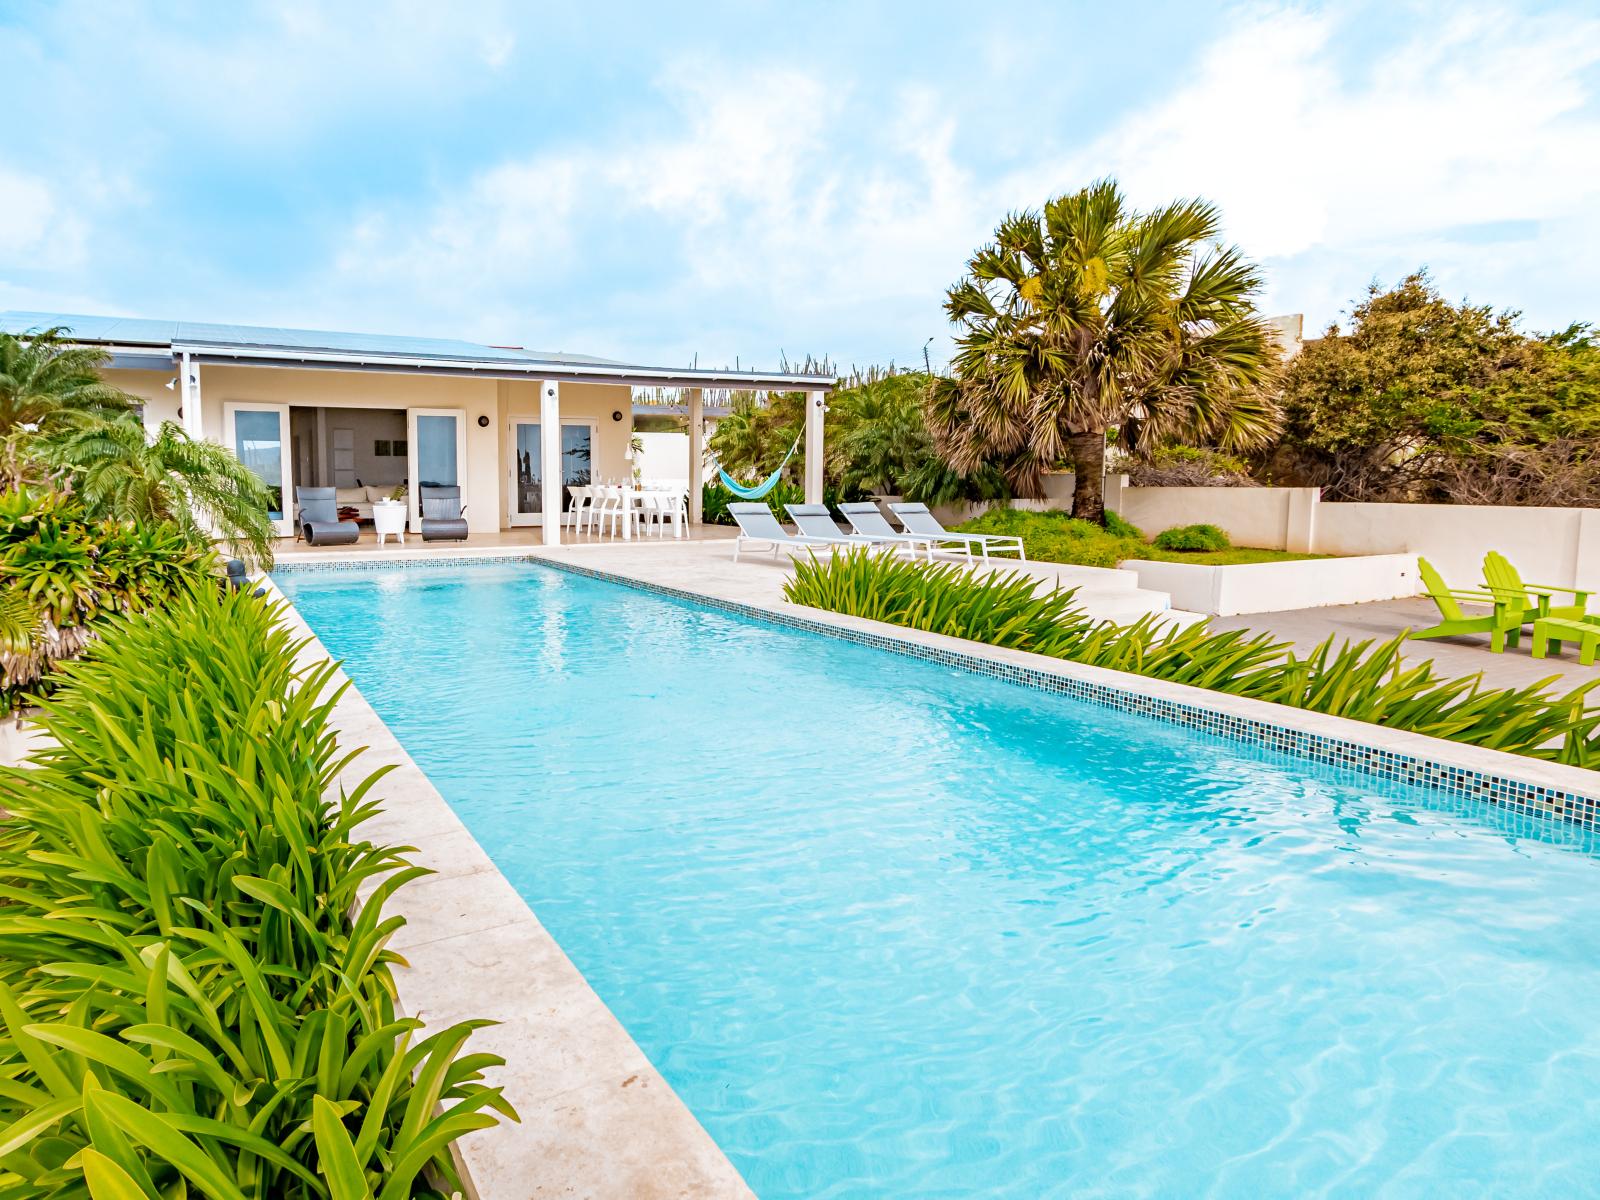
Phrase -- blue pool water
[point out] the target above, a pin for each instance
(895, 931)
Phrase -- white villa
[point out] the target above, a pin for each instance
(312, 408)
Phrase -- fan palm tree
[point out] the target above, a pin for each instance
(122, 473)
(1090, 320)
(44, 378)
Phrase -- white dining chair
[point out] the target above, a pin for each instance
(579, 507)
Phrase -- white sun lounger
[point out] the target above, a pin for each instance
(917, 519)
(757, 526)
(814, 520)
(867, 518)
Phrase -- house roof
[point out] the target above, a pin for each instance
(137, 342)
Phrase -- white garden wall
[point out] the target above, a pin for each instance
(1278, 587)
(1559, 546)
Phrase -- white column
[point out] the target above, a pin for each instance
(697, 450)
(816, 405)
(193, 414)
(550, 459)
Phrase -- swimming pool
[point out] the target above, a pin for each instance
(894, 930)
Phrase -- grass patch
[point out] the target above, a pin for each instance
(1364, 681)
(1057, 537)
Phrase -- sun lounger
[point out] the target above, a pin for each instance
(918, 520)
(814, 520)
(867, 518)
(757, 526)
(319, 518)
(441, 513)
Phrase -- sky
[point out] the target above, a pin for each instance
(742, 182)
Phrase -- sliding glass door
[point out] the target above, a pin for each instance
(258, 435)
(437, 455)
(527, 470)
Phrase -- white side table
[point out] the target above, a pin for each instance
(389, 520)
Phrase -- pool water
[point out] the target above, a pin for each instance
(892, 930)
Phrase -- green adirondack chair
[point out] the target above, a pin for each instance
(1503, 580)
(1503, 623)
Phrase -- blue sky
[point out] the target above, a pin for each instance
(654, 182)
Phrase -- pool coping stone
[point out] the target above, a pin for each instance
(597, 1118)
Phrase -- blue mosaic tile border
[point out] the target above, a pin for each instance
(1510, 795)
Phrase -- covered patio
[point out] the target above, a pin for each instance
(380, 413)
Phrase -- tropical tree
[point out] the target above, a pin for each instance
(121, 473)
(1090, 321)
(45, 378)
(1423, 399)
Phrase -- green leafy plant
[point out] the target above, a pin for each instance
(1365, 681)
(45, 377)
(122, 474)
(191, 1000)
(1192, 537)
(62, 574)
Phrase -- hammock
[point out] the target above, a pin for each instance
(759, 490)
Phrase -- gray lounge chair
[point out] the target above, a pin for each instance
(867, 518)
(918, 520)
(441, 513)
(757, 526)
(814, 520)
(319, 518)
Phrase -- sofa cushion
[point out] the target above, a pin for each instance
(378, 493)
(350, 495)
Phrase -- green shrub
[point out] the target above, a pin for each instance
(62, 575)
(1057, 537)
(1193, 537)
(715, 499)
(188, 1003)
(1365, 681)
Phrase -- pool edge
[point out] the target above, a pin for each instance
(1528, 787)
(597, 1118)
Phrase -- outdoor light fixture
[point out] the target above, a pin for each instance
(616, 414)
(483, 420)
(172, 383)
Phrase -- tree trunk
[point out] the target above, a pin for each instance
(1088, 475)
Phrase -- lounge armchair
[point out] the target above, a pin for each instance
(1503, 623)
(1503, 580)
(757, 526)
(918, 520)
(441, 514)
(867, 518)
(319, 520)
(814, 520)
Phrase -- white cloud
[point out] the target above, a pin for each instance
(37, 232)
(1484, 116)
(743, 202)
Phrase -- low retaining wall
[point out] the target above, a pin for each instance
(1557, 546)
(1276, 587)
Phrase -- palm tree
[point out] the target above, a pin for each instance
(44, 378)
(122, 473)
(1090, 320)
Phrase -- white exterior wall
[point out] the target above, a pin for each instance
(487, 474)
(665, 457)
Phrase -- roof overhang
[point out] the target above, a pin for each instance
(629, 376)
